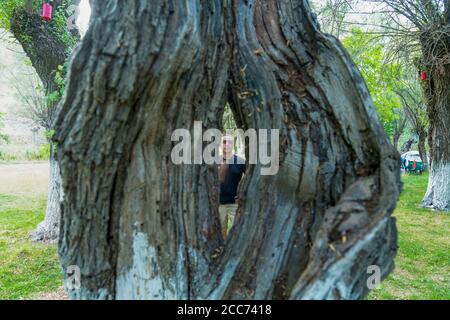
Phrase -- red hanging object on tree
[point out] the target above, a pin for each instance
(423, 76)
(47, 11)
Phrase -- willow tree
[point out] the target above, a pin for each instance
(435, 48)
(48, 46)
(420, 34)
(139, 226)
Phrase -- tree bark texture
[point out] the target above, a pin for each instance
(141, 227)
(421, 147)
(437, 93)
(48, 230)
(47, 52)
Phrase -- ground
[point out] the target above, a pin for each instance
(31, 271)
(27, 270)
(423, 260)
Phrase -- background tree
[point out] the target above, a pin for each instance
(399, 126)
(408, 89)
(423, 34)
(48, 45)
(34, 103)
(139, 226)
(418, 33)
(434, 41)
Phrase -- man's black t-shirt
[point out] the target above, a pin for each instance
(228, 188)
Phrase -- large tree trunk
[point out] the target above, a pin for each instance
(48, 230)
(47, 52)
(437, 93)
(139, 226)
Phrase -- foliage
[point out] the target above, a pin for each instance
(55, 96)
(60, 27)
(229, 125)
(7, 8)
(43, 153)
(413, 104)
(228, 119)
(57, 26)
(367, 52)
(18, 153)
(7, 157)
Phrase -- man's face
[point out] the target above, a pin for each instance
(227, 144)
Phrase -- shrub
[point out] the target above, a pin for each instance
(43, 153)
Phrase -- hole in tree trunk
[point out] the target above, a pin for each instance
(337, 172)
(230, 175)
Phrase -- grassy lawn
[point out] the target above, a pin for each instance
(27, 269)
(423, 260)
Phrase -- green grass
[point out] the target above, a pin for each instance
(422, 263)
(15, 153)
(25, 268)
(422, 268)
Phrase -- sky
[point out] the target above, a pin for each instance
(361, 6)
(85, 13)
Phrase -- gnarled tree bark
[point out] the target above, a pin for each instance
(139, 226)
(47, 52)
(436, 56)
